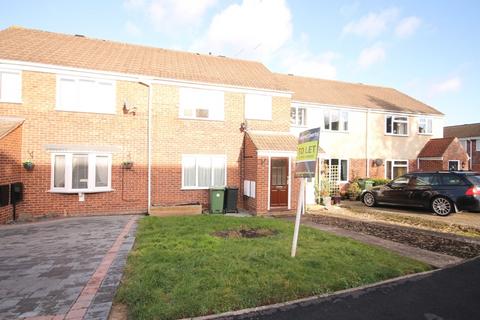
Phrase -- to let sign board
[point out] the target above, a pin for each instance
(307, 153)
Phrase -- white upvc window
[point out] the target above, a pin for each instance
(298, 116)
(453, 165)
(81, 172)
(82, 94)
(335, 120)
(396, 125)
(258, 107)
(395, 168)
(203, 171)
(201, 104)
(10, 86)
(425, 125)
(342, 167)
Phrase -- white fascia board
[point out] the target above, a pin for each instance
(276, 153)
(363, 109)
(430, 158)
(48, 68)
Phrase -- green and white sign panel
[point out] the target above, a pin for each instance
(307, 153)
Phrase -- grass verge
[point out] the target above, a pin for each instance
(178, 269)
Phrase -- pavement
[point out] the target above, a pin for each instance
(63, 269)
(450, 293)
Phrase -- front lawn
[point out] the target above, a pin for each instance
(179, 269)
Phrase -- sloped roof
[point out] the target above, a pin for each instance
(462, 131)
(340, 93)
(17, 43)
(435, 147)
(8, 124)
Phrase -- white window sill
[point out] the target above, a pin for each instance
(200, 188)
(15, 102)
(425, 134)
(80, 191)
(298, 126)
(79, 111)
(396, 135)
(257, 119)
(335, 131)
(201, 119)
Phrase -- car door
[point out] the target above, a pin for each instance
(419, 189)
(396, 191)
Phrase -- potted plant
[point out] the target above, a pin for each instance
(354, 191)
(28, 165)
(127, 164)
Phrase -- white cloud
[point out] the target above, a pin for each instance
(304, 63)
(407, 26)
(371, 55)
(132, 29)
(133, 4)
(373, 24)
(452, 84)
(254, 29)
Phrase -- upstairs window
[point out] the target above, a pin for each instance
(85, 95)
(258, 107)
(425, 126)
(81, 172)
(10, 86)
(396, 125)
(203, 171)
(201, 104)
(335, 120)
(298, 116)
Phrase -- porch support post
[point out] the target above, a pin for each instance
(300, 205)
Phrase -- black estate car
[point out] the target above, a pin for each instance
(443, 192)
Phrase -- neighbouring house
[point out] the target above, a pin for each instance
(469, 137)
(367, 131)
(114, 128)
(443, 154)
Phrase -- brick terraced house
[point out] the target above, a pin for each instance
(469, 137)
(114, 128)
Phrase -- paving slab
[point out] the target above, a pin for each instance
(46, 266)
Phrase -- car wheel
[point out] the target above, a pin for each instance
(442, 206)
(369, 199)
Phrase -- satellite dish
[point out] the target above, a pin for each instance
(378, 162)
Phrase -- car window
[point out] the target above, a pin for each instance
(400, 181)
(450, 180)
(475, 179)
(422, 180)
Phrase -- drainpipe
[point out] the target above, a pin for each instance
(366, 144)
(149, 142)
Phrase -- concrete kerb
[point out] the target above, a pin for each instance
(358, 291)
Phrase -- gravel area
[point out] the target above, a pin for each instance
(428, 240)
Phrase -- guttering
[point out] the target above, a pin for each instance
(366, 144)
(149, 143)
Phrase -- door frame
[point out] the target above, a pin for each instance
(279, 154)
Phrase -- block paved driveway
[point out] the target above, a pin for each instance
(63, 269)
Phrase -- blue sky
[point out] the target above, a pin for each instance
(428, 49)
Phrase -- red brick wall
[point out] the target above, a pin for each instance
(475, 155)
(249, 165)
(10, 166)
(455, 151)
(431, 165)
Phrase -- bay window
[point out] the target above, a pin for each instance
(203, 171)
(81, 172)
(396, 125)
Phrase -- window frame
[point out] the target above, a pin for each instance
(248, 116)
(20, 91)
(341, 120)
(340, 165)
(304, 118)
(458, 165)
(196, 156)
(196, 92)
(78, 108)
(426, 121)
(393, 166)
(396, 121)
(68, 172)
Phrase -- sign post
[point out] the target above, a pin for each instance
(307, 153)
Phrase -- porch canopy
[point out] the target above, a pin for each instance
(8, 124)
